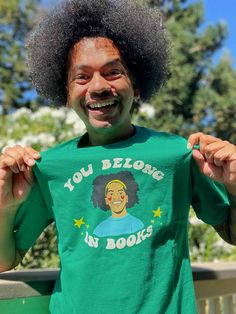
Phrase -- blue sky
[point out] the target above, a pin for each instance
(219, 10)
(215, 10)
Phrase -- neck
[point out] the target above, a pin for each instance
(108, 136)
(119, 215)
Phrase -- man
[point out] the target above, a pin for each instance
(98, 56)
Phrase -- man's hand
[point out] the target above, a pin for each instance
(215, 158)
(16, 176)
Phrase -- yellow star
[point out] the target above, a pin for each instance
(79, 222)
(157, 212)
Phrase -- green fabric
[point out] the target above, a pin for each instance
(146, 271)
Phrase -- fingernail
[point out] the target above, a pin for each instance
(31, 162)
(22, 168)
(15, 170)
(36, 155)
(189, 146)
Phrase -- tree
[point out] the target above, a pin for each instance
(198, 96)
(16, 20)
(216, 100)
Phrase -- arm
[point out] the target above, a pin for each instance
(9, 257)
(16, 180)
(217, 160)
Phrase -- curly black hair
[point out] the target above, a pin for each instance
(99, 185)
(136, 30)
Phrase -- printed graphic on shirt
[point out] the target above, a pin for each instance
(125, 241)
(116, 193)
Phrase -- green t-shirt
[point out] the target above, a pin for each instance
(121, 213)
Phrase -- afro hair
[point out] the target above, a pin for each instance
(136, 30)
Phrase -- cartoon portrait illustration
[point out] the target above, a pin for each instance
(116, 192)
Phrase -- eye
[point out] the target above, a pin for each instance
(82, 78)
(113, 74)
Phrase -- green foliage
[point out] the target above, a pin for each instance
(198, 96)
(41, 130)
(206, 245)
(16, 20)
(44, 254)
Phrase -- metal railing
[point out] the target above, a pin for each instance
(215, 286)
(28, 291)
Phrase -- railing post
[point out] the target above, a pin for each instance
(228, 305)
(201, 306)
(214, 306)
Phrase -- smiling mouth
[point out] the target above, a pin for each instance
(102, 105)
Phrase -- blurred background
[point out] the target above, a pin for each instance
(200, 95)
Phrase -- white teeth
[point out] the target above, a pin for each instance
(118, 202)
(100, 105)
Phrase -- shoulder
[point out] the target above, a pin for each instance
(134, 220)
(161, 135)
(65, 146)
(101, 228)
(53, 159)
(164, 140)
(59, 150)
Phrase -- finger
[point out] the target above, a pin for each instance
(206, 140)
(9, 162)
(32, 152)
(30, 155)
(203, 142)
(194, 139)
(211, 149)
(15, 153)
(218, 163)
(225, 153)
(25, 156)
(209, 169)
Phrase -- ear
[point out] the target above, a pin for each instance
(136, 94)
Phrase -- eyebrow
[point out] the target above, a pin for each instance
(85, 66)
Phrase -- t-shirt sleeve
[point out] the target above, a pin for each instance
(209, 198)
(31, 219)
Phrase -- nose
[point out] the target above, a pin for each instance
(99, 86)
(116, 196)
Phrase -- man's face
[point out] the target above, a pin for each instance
(99, 86)
(116, 198)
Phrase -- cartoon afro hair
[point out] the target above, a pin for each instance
(136, 30)
(99, 186)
